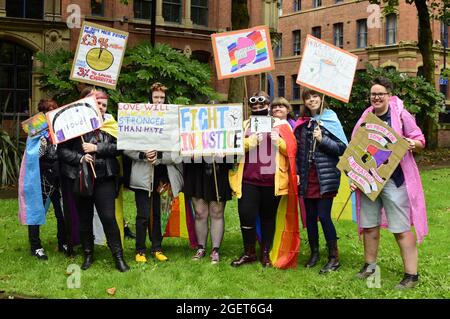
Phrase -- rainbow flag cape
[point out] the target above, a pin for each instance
(349, 212)
(286, 242)
(32, 210)
(181, 222)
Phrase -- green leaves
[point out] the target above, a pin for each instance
(9, 160)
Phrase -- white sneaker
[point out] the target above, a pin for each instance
(40, 254)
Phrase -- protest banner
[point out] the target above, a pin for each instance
(242, 52)
(99, 55)
(260, 124)
(74, 119)
(327, 69)
(211, 129)
(144, 127)
(35, 124)
(372, 155)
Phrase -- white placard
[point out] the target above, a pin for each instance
(260, 124)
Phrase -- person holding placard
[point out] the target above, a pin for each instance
(152, 173)
(320, 142)
(50, 187)
(282, 109)
(259, 180)
(98, 149)
(402, 196)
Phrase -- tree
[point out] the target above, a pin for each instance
(426, 11)
(239, 20)
(420, 97)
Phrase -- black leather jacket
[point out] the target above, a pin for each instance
(326, 157)
(106, 164)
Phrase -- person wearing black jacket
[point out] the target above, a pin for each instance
(49, 170)
(318, 151)
(99, 149)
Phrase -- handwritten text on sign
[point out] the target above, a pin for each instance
(211, 129)
(99, 55)
(144, 127)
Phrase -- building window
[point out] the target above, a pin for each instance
(142, 9)
(280, 7)
(15, 78)
(338, 35)
(280, 82)
(199, 12)
(172, 10)
(317, 32)
(338, 1)
(391, 28)
(297, 5)
(279, 47)
(317, 3)
(362, 33)
(296, 42)
(97, 7)
(31, 9)
(295, 88)
(444, 35)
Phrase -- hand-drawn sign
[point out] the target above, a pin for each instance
(74, 120)
(35, 124)
(260, 124)
(373, 154)
(327, 69)
(242, 52)
(99, 55)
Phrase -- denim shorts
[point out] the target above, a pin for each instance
(396, 206)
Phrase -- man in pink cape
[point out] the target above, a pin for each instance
(401, 203)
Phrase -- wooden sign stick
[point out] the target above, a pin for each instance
(215, 179)
(318, 122)
(245, 98)
(342, 210)
(92, 166)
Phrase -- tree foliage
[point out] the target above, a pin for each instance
(9, 160)
(419, 96)
(188, 80)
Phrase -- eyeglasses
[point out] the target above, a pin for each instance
(379, 95)
(258, 99)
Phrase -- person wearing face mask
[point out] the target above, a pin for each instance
(320, 142)
(259, 180)
(99, 149)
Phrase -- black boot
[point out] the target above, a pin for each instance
(249, 256)
(128, 233)
(333, 258)
(117, 252)
(87, 243)
(265, 256)
(315, 255)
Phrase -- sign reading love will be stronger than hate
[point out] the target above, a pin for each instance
(211, 129)
(144, 127)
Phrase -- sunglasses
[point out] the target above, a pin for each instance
(258, 100)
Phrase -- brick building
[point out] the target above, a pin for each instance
(390, 41)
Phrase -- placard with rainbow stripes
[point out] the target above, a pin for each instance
(242, 52)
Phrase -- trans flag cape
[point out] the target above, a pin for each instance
(32, 210)
(286, 241)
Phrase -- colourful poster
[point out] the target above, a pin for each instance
(99, 55)
(35, 124)
(327, 69)
(74, 119)
(211, 129)
(372, 155)
(145, 127)
(242, 52)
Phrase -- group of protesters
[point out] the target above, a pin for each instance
(301, 173)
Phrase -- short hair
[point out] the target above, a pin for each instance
(383, 81)
(157, 86)
(262, 93)
(46, 105)
(283, 101)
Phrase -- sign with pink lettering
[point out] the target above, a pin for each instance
(73, 120)
(242, 52)
(144, 127)
(372, 155)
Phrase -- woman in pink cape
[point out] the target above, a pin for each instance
(401, 203)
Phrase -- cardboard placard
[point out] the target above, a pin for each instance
(35, 124)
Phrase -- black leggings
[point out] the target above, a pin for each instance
(143, 219)
(257, 200)
(319, 208)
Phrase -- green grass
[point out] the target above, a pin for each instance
(22, 274)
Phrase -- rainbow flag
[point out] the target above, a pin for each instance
(181, 222)
(35, 124)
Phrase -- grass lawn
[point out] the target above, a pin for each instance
(22, 274)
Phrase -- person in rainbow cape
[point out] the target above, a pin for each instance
(99, 149)
(401, 203)
(264, 181)
(320, 142)
(39, 185)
